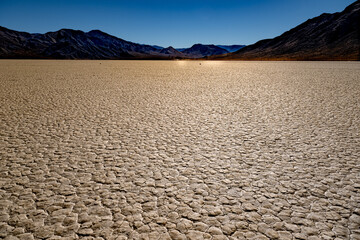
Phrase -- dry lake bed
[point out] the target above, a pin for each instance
(179, 150)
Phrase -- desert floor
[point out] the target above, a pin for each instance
(179, 150)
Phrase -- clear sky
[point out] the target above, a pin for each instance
(179, 23)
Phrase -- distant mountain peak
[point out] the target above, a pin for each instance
(97, 31)
(172, 51)
(202, 50)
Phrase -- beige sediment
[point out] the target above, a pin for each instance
(179, 150)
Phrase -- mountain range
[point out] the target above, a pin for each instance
(75, 44)
(216, 48)
(326, 37)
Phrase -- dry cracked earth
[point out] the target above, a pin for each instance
(179, 150)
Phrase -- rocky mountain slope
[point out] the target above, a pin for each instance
(75, 44)
(326, 37)
(70, 44)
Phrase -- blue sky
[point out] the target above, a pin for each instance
(179, 23)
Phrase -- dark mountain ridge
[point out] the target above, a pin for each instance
(95, 44)
(326, 37)
(70, 44)
(200, 50)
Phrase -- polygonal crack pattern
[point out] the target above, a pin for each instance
(179, 150)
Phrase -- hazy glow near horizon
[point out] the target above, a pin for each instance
(179, 23)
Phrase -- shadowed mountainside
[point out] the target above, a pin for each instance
(75, 44)
(326, 37)
(71, 44)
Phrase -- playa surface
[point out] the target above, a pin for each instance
(179, 150)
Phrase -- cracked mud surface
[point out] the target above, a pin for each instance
(179, 150)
